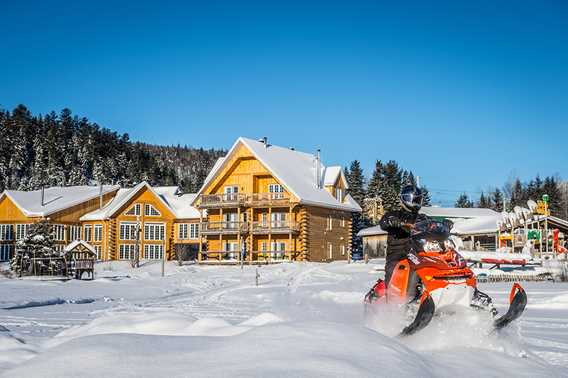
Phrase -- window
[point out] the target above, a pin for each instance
(193, 230)
(153, 251)
(329, 223)
(88, 231)
(278, 246)
(278, 220)
(343, 250)
(128, 231)
(264, 219)
(276, 191)
(182, 231)
(6, 232)
(126, 251)
(98, 234)
(339, 194)
(22, 231)
(151, 211)
(263, 246)
(343, 221)
(233, 249)
(99, 251)
(232, 220)
(330, 251)
(188, 230)
(59, 232)
(134, 210)
(74, 233)
(58, 247)
(231, 193)
(6, 252)
(153, 231)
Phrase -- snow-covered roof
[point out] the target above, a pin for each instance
(331, 174)
(456, 212)
(372, 231)
(477, 226)
(179, 205)
(73, 244)
(56, 198)
(295, 170)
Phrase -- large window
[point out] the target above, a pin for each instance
(99, 252)
(88, 232)
(126, 251)
(22, 231)
(59, 232)
(153, 251)
(153, 231)
(128, 231)
(188, 231)
(6, 252)
(74, 233)
(276, 191)
(134, 210)
(151, 211)
(98, 233)
(6, 232)
(278, 219)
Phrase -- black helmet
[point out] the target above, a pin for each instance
(411, 198)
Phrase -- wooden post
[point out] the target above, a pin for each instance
(290, 225)
(199, 257)
(239, 233)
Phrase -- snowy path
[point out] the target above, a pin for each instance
(302, 320)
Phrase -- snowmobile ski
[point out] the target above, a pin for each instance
(517, 303)
(423, 317)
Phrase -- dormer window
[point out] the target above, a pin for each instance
(134, 210)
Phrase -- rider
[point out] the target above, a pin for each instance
(398, 223)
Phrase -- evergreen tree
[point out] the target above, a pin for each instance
(463, 201)
(497, 200)
(375, 183)
(356, 182)
(485, 201)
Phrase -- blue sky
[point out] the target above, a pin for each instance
(464, 93)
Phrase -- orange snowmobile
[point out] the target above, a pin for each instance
(436, 279)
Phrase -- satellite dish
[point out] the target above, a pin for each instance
(532, 205)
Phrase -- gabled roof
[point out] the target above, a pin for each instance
(295, 170)
(73, 244)
(179, 205)
(56, 198)
(372, 231)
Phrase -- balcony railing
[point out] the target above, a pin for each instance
(243, 199)
(223, 227)
(275, 227)
(257, 256)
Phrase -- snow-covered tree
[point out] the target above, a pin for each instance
(463, 201)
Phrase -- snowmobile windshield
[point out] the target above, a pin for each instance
(431, 229)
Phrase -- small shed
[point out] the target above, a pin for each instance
(374, 241)
(80, 257)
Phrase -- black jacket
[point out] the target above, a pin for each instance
(399, 243)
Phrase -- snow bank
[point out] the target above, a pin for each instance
(341, 297)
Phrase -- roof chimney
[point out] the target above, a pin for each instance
(42, 196)
(264, 140)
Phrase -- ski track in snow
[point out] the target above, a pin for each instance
(37, 311)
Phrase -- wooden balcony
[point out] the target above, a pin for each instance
(258, 257)
(226, 228)
(275, 227)
(209, 201)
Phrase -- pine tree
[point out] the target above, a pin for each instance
(375, 183)
(426, 195)
(37, 244)
(497, 200)
(463, 201)
(356, 182)
(484, 201)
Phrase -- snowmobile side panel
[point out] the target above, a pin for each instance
(423, 317)
(518, 301)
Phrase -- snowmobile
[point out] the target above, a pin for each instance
(435, 279)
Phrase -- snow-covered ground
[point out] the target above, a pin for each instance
(304, 319)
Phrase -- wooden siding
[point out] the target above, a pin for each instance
(319, 237)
